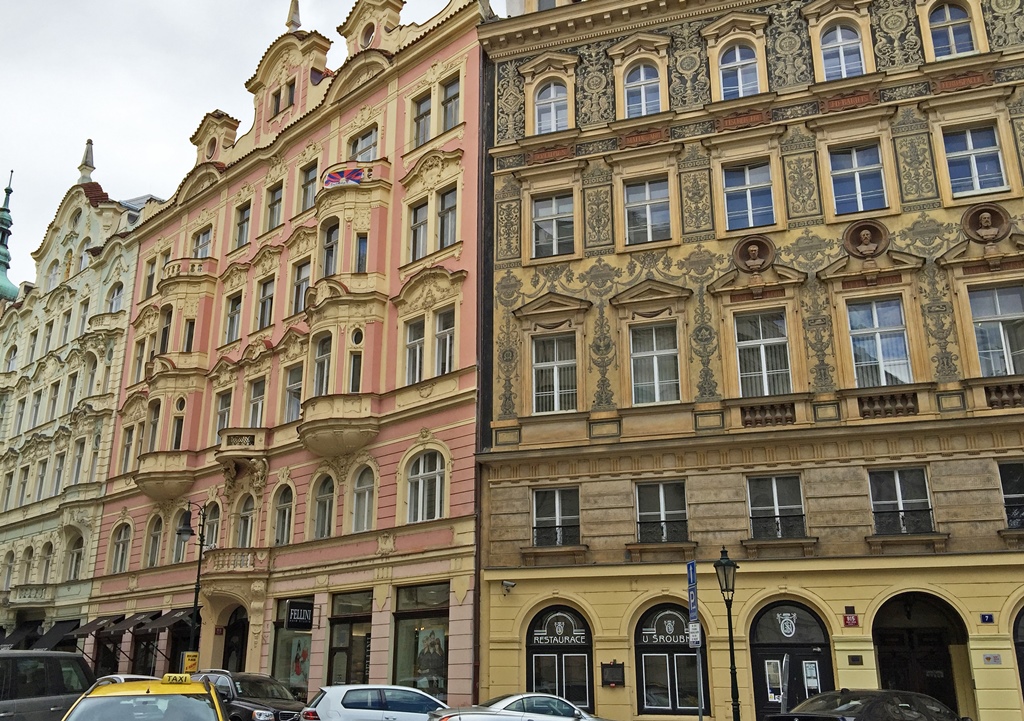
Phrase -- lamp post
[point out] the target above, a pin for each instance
(184, 533)
(725, 567)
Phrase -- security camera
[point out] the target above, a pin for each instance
(508, 585)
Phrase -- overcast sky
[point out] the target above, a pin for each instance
(136, 76)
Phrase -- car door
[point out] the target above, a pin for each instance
(7, 699)
(515, 708)
(69, 678)
(408, 705)
(359, 704)
(548, 708)
(32, 695)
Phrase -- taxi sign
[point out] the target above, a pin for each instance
(176, 678)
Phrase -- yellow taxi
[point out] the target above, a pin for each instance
(175, 697)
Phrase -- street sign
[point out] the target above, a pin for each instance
(691, 591)
(694, 634)
(190, 662)
(691, 573)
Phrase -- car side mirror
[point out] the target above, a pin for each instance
(577, 714)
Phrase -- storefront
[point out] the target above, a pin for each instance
(293, 632)
(559, 656)
(348, 659)
(668, 679)
(421, 638)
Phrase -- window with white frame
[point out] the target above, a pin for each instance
(738, 68)
(307, 186)
(447, 218)
(275, 198)
(33, 341)
(150, 285)
(554, 373)
(246, 520)
(53, 275)
(647, 212)
(233, 324)
(362, 248)
(293, 394)
(58, 474)
(974, 160)
(8, 491)
(661, 512)
(23, 486)
(1011, 477)
(283, 506)
(950, 27)
(998, 315)
(899, 500)
(242, 217)
(154, 425)
(52, 402)
(19, 415)
(115, 298)
(762, 348)
(212, 525)
(41, 469)
(11, 359)
(355, 371)
(76, 551)
(122, 547)
(37, 401)
(201, 243)
(322, 367)
(841, 53)
(362, 501)
(444, 341)
(654, 360)
(421, 120)
(643, 92)
(323, 514)
(857, 182)
(414, 341)
(426, 487)
(69, 403)
(223, 413)
(83, 317)
(553, 226)
(450, 104)
(878, 332)
(84, 254)
(776, 507)
(300, 284)
(551, 107)
(556, 517)
(418, 231)
(190, 334)
(180, 542)
(65, 326)
(257, 391)
(154, 542)
(364, 146)
(266, 308)
(79, 460)
(330, 264)
(748, 196)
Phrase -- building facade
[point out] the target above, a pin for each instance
(300, 387)
(755, 285)
(63, 345)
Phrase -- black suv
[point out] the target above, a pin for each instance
(252, 696)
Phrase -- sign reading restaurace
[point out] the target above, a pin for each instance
(298, 615)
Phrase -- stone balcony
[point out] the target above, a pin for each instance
(194, 272)
(241, 444)
(236, 561)
(164, 475)
(335, 425)
(32, 594)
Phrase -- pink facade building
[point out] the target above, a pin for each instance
(300, 379)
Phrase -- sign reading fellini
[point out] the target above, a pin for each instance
(560, 629)
(298, 615)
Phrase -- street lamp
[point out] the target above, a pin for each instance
(725, 567)
(184, 533)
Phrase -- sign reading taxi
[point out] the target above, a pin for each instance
(177, 678)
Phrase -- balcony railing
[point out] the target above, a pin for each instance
(1015, 514)
(556, 535)
(661, 531)
(236, 560)
(893, 523)
(888, 405)
(768, 414)
(1005, 395)
(786, 526)
(32, 593)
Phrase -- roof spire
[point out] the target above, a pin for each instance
(8, 290)
(86, 167)
(293, 23)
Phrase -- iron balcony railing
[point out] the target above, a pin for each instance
(1014, 514)
(785, 526)
(661, 531)
(892, 523)
(564, 535)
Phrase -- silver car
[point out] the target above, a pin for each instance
(370, 702)
(524, 706)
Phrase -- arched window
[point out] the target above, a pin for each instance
(246, 516)
(643, 94)
(841, 53)
(426, 487)
(739, 72)
(322, 367)
(122, 547)
(8, 570)
(180, 542)
(76, 219)
(114, 298)
(154, 542)
(10, 359)
(83, 254)
(667, 681)
(559, 656)
(323, 515)
(950, 26)
(283, 517)
(362, 501)
(212, 535)
(1018, 642)
(26, 566)
(53, 275)
(552, 107)
(46, 563)
(76, 549)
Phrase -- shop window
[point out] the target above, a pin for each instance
(421, 639)
(763, 350)
(291, 651)
(879, 336)
(661, 512)
(559, 656)
(1011, 476)
(998, 315)
(899, 500)
(348, 660)
(556, 517)
(667, 678)
(841, 53)
(776, 507)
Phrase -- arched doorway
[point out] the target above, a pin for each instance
(559, 656)
(667, 681)
(1018, 642)
(788, 636)
(236, 640)
(920, 643)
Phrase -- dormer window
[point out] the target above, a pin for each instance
(367, 37)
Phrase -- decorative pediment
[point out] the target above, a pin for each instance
(267, 260)
(59, 298)
(134, 408)
(545, 62)
(254, 351)
(162, 364)
(432, 170)
(285, 57)
(292, 345)
(640, 42)
(734, 22)
(324, 290)
(223, 373)
(235, 275)
(820, 8)
(871, 270)
(216, 132)
(302, 240)
(373, 24)
(774, 276)
(202, 177)
(147, 320)
(650, 298)
(358, 73)
(553, 310)
(429, 288)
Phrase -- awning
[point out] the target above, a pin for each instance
(23, 631)
(49, 640)
(132, 621)
(97, 624)
(182, 615)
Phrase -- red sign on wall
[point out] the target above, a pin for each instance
(851, 619)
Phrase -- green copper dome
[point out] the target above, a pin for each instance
(8, 290)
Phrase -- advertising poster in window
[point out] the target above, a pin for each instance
(431, 661)
(298, 673)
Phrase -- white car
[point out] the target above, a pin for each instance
(523, 706)
(370, 702)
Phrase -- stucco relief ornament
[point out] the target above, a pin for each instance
(787, 624)
(258, 468)
(385, 544)
(866, 239)
(986, 224)
(753, 254)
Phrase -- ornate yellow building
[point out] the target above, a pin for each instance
(757, 282)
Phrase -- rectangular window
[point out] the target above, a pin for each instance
(69, 403)
(414, 336)
(190, 334)
(748, 197)
(762, 349)
(33, 340)
(553, 226)
(331, 250)
(52, 403)
(242, 217)
(58, 474)
(233, 325)
(661, 512)
(361, 249)
(364, 147)
(322, 367)
(974, 160)
(37, 402)
(879, 337)
(999, 329)
(857, 182)
(556, 517)
(257, 390)
(421, 121)
(418, 232)
(293, 395)
(223, 412)
(308, 186)
(355, 372)
(83, 317)
(165, 330)
(275, 197)
(426, 487)
(275, 103)
(300, 284)
(19, 416)
(177, 432)
(444, 342)
(554, 373)
(899, 499)
(48, 337)
(127, 443)
(23, 486)
(8, 490)
(647, 212)
(140, 360)
(776, 507)
(654, 359)
(447, 219)
(201, 243)
(266, 314)
(1011, 476)
(41, 479)
(150, 278)
(289, 94)
(450, 104)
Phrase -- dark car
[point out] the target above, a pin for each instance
(868, 705)
(252, 696)
(41, 685)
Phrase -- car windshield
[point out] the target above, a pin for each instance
(843, 702)
(497, 699)
(265, 688)
(154, 707)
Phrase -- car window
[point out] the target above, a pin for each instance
(516, 705)
(31, 678)
(267, 689)
(547, 706)
(75, 680)
(932, 709)
(321, 695)
(410, 701)
(6, 674)
(145, 708)
(362, 698)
